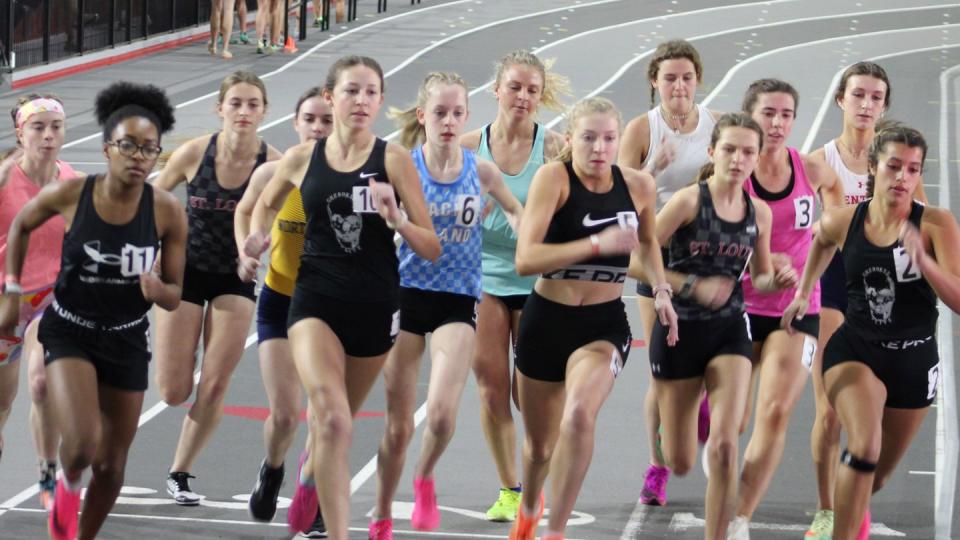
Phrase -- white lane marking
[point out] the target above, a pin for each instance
(403, 510)
(828, 98)
(370, 468)
(682, 521)
(633, 61)
(634, 526)
(945, 481)
(922, 473)
(435, 534)
(733, 71)
(300, 57)
(446, 40)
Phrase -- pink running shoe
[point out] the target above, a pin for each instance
(381, 529)
(62, 521)
(303, 508)
(703, 421)
(654, 492)
(426, 516)
(864, 533)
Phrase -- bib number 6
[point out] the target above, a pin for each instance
(469, 209)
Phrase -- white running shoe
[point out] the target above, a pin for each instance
(739, 529)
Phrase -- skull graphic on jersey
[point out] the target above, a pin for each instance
(880, 290)
(346, 225)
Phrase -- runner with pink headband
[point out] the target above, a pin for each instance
(39, 121)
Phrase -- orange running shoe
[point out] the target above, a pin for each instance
(525, 527)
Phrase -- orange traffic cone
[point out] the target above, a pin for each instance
(290, 46)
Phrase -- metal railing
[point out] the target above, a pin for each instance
(36, 32)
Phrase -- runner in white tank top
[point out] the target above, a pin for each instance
(863, 95)
(670, 141)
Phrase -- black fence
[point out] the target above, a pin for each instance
(36, 32)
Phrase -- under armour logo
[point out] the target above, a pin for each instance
(92, 249)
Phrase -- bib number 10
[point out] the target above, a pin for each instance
(363, 201)
(469, 210)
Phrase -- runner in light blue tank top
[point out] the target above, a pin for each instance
(439, 298)
(455, 208)
(499, 241)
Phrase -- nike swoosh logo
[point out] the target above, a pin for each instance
(587, 222)
(364, 175)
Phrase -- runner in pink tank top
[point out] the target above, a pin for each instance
(788, 182)
(39, 123)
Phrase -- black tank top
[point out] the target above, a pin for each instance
(888, 298)
(348, 250)
(210, 207)
(101, 263)
(710, 246)
(585, 213)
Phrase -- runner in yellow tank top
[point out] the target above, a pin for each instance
(313, 120)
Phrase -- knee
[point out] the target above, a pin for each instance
(830, 423)
(398, 432)
(864, 444)
(775, 416)
(212, 390)
(284, 420)
(38, 387)
(538, 452)
(173, 394)
(109, 472)
(78, 454)
(441, 421)
(578, 419)
(335, 426)
(679, 465)
(723, 452)
(495, 398)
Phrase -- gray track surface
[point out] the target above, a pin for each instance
(603, 46)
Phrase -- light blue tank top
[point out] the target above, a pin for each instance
(499, 241)
(455, 208)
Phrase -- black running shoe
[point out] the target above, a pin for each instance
(318, 529)
(178, 486)
(263, 499)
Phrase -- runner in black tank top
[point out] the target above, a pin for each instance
(217, 170)
(715, 232)
(881, 368)
(95, 335)
(344, 327)
(584, 218)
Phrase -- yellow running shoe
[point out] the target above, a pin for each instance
(505, 509)
(822, 526)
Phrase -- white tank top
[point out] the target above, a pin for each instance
(691, 152)
(854, 185)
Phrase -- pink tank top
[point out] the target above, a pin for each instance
(792, 233)
(43, 254)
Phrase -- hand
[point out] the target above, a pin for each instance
(247, 268)
(9, 316)
(151, 286)
(796, 310)
(386, 200)
(785, 275)
(255, 244)
(665, 155)
(616, 240)
(667, 315)
(912, 242)
(714, 291)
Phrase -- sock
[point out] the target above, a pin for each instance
(306, 477)
(518, 489)
(75, 486)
